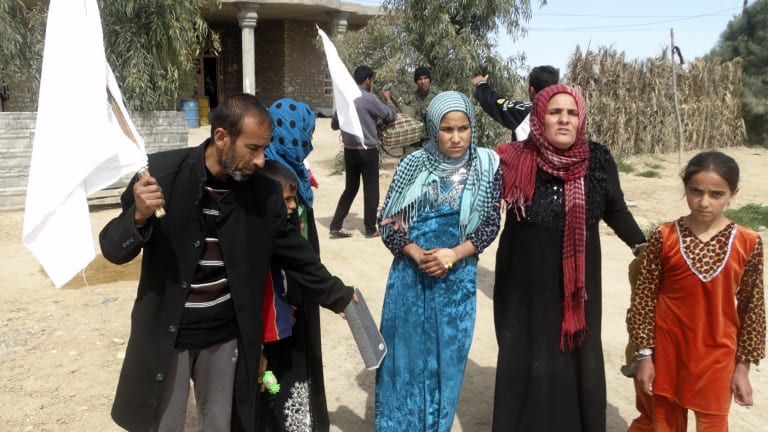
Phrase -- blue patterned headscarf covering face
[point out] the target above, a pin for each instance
(421, 168)
(294, 124)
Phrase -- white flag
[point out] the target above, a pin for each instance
(79, 146)
(345, 90)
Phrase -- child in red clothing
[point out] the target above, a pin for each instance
(277, 312)
(698, 309)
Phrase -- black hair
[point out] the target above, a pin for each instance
(233, 110)
(281, 173)
(362, 73)
(420, 72)
(543, 76)
(715, 161)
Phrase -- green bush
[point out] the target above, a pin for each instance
(649, 174)
(338, 164)
(624, 166)
(751, 215)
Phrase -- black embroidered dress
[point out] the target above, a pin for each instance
(538, 386)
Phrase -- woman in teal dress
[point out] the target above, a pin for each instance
(441, 212)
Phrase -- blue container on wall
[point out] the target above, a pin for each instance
(189, 108)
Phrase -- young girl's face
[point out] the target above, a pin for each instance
(454, 134)
(708, 195)
(289, 196)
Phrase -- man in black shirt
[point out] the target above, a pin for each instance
(510, 113)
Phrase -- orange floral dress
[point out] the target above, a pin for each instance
(701, 306)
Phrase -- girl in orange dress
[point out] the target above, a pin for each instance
(698, 310)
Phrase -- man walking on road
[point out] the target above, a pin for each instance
(362, 159)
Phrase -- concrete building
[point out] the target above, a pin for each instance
(270, 48)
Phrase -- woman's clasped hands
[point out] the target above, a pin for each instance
(434, 262)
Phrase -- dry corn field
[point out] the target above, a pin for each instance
(631, 104)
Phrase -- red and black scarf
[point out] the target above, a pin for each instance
(519, 161)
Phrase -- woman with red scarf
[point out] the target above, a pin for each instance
(547, 295)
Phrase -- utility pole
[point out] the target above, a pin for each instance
(674, 95)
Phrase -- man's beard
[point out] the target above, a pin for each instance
(227, 161)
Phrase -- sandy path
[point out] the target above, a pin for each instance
(61, 350)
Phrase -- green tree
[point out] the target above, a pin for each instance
(746, 36)
(21, 42)
(455, 38)
(152, 46)
(384, 46)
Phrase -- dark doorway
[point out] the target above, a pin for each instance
(211, 84)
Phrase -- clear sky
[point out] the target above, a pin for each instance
(639, 28)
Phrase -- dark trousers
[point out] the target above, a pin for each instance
(359, 163)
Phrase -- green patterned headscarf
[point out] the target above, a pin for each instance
(418, 170)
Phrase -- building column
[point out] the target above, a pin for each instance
(247, 18)
(339, 23)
